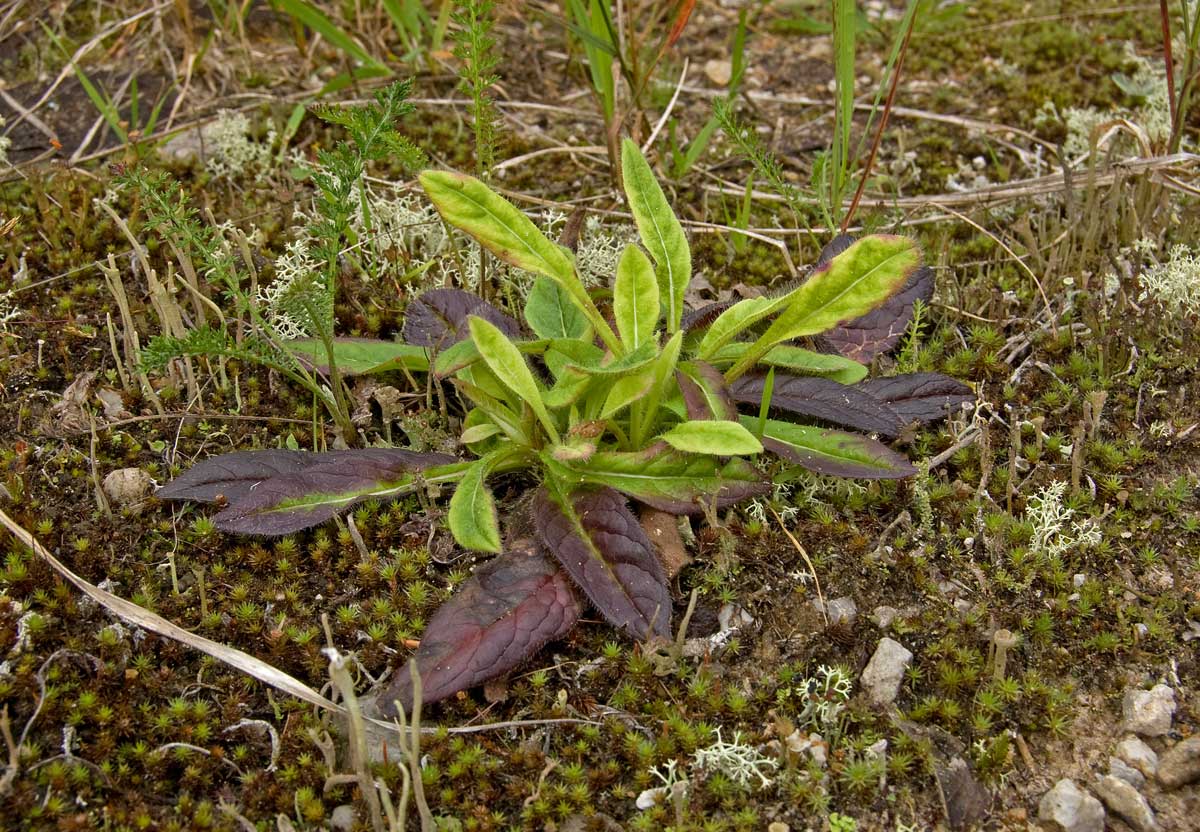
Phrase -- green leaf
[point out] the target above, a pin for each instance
(833, 452)
(735, 320)
(551, 313)
(315, 19)
(494, 409)
(472, 514)
(798, 360)
(467, 203)
(712, 436)
(479, 432)
(463, 354)
(631, 362)
(563, 353)
(505, 360)
(358, 356)
(666, 479)
(635, 298)
(850, 285)
(625, 391)
(660, 231)
(663, 373)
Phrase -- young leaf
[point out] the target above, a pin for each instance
(562, 353)
(267, 493)
(832, 452)
(601, 545)
(919, 397)
(499, 617)
(704, 391)
(798, 360)
(626, 390)
(663, 373)
(719, 438)
(666, 479)
(660, 231)
(856, 281)
(359, 356)
(506, 361)
(635, 298)
(821, 398)
(472, 512)
(735, 320)
(467, 203)
(438, 318)
(551, 313)
(630, 362)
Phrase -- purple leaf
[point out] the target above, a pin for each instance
(500, 616)
(438, 318)
(601, 545)
(919, 397)
(705, 393)
(279, 492)
(833, 452)
(876, 332)
(821, 398)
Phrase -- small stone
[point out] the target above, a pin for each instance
(127, 486)
(884, 673)
(718, 71)
(1068, 808)
(343, 818)
(779, 826)
(1149, 712)
(1181, 764)
(839, 610)
(1078, 580)
(1122, 770)
(1124, 800)
(883, 616)
(1139, 755)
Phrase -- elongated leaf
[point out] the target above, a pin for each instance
(506, 361)
(359, 356)
(472, 513)
(663, 375)
(551, 313)
(467, 203)
(798, 360)
(831, 451)
(316, 20)
(601, 545)
(268, 493)
(633, 361)
(660, 230)
(438, 318)
(737, 319)
(562, 353)
(878, 332)
(635, 298)
(821, 398)
(919, 397)
(666, 479)
(703, 316)
(853, 283)
(704, 391)
(625, 391)
(500, 616)
(719, 438)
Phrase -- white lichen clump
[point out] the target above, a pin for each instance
(5, 144)
(1054, 530)
(740, 763)
(230, 149)
(296, 271)
(1174, 283)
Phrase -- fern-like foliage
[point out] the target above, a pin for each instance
(476, 50)
(751, 148)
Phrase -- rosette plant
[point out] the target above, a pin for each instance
(634, 401)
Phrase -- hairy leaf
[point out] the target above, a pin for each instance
(472, 513)
(704, 391)
(798, 360)
(879, 331)
(701, 317)
(831, 451)
(601, 545)
(660, 231)
(551, 313)
(506, 361)
(625, 391)
(853, 283)
(467, 203)
(821, 398)
(735, 320)
(438, 318)
(635, 298)
(268, 493)
(666, 479)
(500, 616)
(919, 397)
(358, 356)
(711, 436)
(631, 362)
